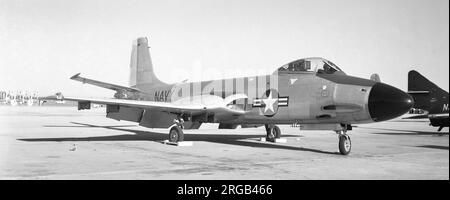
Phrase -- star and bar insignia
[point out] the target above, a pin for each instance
(270, 102)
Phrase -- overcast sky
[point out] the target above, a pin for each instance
(43, 43)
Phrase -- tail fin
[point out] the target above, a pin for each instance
(141, 67)
(424, 92)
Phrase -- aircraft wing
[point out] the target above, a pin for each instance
(110, 86)
(193, 109)
(417, 117)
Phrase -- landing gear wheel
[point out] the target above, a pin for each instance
(176, 134)
(273, 133)
(345, 144)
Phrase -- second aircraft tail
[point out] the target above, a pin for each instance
(424, 92)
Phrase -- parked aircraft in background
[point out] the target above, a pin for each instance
(430, 98)
(312, 92)
(18, 98)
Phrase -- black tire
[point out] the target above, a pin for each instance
(277, 131)
(345, 144)
(273, 133)
(176, 134)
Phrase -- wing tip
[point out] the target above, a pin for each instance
(75, 76)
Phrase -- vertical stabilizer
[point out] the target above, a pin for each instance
(425, 93)
(417, 82)
(141, 67)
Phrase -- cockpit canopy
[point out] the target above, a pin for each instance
(318, 65)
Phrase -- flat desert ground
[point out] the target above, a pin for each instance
(64, 143)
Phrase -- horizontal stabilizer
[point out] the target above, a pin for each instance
(110, 86)
(419, 92)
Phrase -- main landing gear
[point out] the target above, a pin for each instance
(176, 132)
(273, 132)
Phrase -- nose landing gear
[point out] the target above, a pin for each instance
(345, 144)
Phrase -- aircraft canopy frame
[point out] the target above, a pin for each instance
(315, 64)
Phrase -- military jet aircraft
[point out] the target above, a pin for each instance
(312, 92)
(430, 98)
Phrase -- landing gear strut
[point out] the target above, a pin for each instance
(273, 132)
(176, 132)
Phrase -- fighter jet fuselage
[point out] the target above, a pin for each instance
(287, 97)
(312, 92)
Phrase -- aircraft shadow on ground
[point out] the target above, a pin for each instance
(404, 132)
(138, 135)
(435, 147)
(412, 132)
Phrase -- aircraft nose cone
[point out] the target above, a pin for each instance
(387, 102)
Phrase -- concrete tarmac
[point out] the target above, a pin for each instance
(64, 143)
